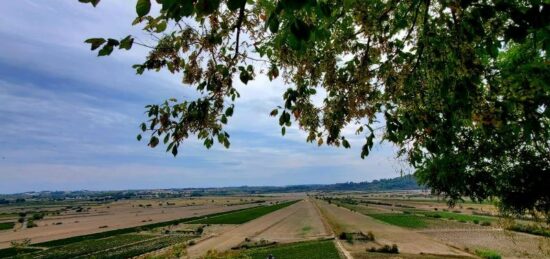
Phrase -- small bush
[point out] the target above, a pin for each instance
(385, 249)
(485, 223)
(488, 254)
(476, 221)
(31, 224)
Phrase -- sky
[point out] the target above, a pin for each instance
(70, 119)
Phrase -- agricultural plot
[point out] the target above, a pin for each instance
(243, 216)
(115, 216)
(408, 241)
(6, 225)
(304, 224)
(252, 230)
(401, 220)
(311, 250)
(89, 247)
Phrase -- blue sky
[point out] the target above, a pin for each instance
(69, 119)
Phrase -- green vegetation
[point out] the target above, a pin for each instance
(9, 252)
(457, 216)
(312, 250)
(6, 225)
(93, 246)
(393, 249)
(488, 254)
(531, 229)
(243, 216)
(129, 251)
(402, 220)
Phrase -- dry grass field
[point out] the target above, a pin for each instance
(121, 214)
(345, 225)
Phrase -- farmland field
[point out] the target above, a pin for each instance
(311, 250)
(339, 225)
(402, 220)
(63, 221)
(242, 216)
(6, 225)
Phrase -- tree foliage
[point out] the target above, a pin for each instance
(462, 86)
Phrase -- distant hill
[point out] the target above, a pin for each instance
(407, 182)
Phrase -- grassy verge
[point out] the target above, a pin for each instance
(243, 216)
(311, 250)
(402, 220)
(6, 225)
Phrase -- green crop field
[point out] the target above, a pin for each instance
(310, 250)
(6, 225)
(456, 216)
(87, 247)
(242, 216)
(140, 248)
(402, 220)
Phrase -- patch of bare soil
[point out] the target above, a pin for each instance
(508, 244)
(304, 224)
(408, 241)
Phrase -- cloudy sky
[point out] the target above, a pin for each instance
(69, 119)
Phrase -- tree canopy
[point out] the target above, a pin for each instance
(461, 86)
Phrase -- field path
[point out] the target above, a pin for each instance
(408, 241)
(227, 240)
(339, 245)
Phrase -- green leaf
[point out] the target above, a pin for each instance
(224, 119)
(160, 27)
(95, 42)
(273, 24)
(274, 112)
(138, 137)
(235, 4)
(206, 7)
(143, 7)
(167, 4)
(187, 8)
(345, 143)
(175, 150)
(283, 131)
(143, 127)
(153, 142)
(229, 111)
(93, 2)
(126, 43)
(244, 76)
(105, 51)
